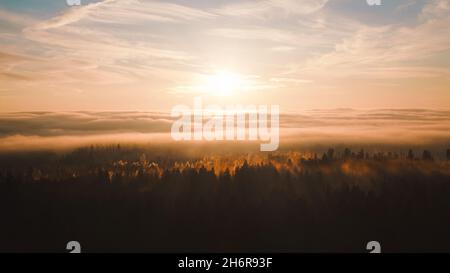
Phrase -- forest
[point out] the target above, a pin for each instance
(114, 198)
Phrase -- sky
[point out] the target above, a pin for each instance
(139, 55)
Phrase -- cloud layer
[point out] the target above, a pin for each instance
(48, 130)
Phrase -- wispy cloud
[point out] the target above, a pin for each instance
(391, 51)
(125, 12)
(143, 47)
(135, 11)
(257, 33)
(82, 44)
(271, 8)
(9, 19)
(71, 16)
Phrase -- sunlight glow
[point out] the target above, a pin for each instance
(223, 83)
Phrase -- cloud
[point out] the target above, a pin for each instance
(14, 20)
(295, 81)
(397, 127)
(84, 44)
(257, 33)
(42, 130)
(72, 15)
(7, 63)
(82, 123)
(125, 12)
(151, 48)
(283, 48)
(271, 8)
(435, 9)
(134, 11)
(390, 51)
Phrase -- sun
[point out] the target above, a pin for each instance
(223, 83)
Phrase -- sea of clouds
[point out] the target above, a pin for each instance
(58, 130)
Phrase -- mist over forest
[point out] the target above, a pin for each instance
(119, 198)
(116, 182)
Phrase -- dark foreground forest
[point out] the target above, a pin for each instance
(116, 199)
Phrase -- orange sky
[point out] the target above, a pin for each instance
(151, 55)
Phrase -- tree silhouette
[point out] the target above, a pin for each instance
(135, 199)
